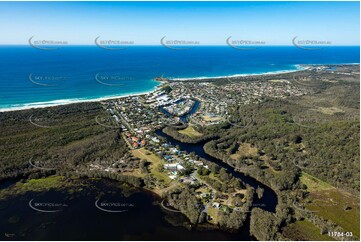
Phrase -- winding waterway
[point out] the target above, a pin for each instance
(185, 116)
(90, 211)
(141, 217)
(269, 200)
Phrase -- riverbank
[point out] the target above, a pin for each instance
(68, 141)
(269, 200)
(78, 209)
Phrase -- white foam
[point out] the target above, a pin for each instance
(59, 102)
(298, 68)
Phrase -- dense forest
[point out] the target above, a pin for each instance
(276, 140)
(328, 149)
(58, 139)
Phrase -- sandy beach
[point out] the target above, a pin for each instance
(244, 77)
(53, 103)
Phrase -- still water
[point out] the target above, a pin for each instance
(121, 215)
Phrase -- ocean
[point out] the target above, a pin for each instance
(32, 77)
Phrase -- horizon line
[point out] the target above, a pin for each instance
(205, 45)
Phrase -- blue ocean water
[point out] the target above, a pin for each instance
(31, 77)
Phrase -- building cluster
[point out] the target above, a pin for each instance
(139, 116)
(217, 100)
(180, 108)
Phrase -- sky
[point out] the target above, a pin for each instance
(209, 23)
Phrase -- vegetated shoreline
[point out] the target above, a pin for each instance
(209, 154)
(75, 182)
(207, 139)
(62, 102)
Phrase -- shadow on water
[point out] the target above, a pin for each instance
(140, 218)
(78, 218)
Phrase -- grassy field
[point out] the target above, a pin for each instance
(191, 132)
(213, 176)
(313, 183)
(155, 161)
(304, 230)
(35, 185)
(212, 119)
(42, 183)
(330, 203)
(244, 149)
(213, 212)
(330, 110)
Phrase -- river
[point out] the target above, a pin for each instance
(185, 116)
(269, 200)
(101, 210)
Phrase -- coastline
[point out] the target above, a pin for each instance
(55, 103)
(298, 68)
(60, 102)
